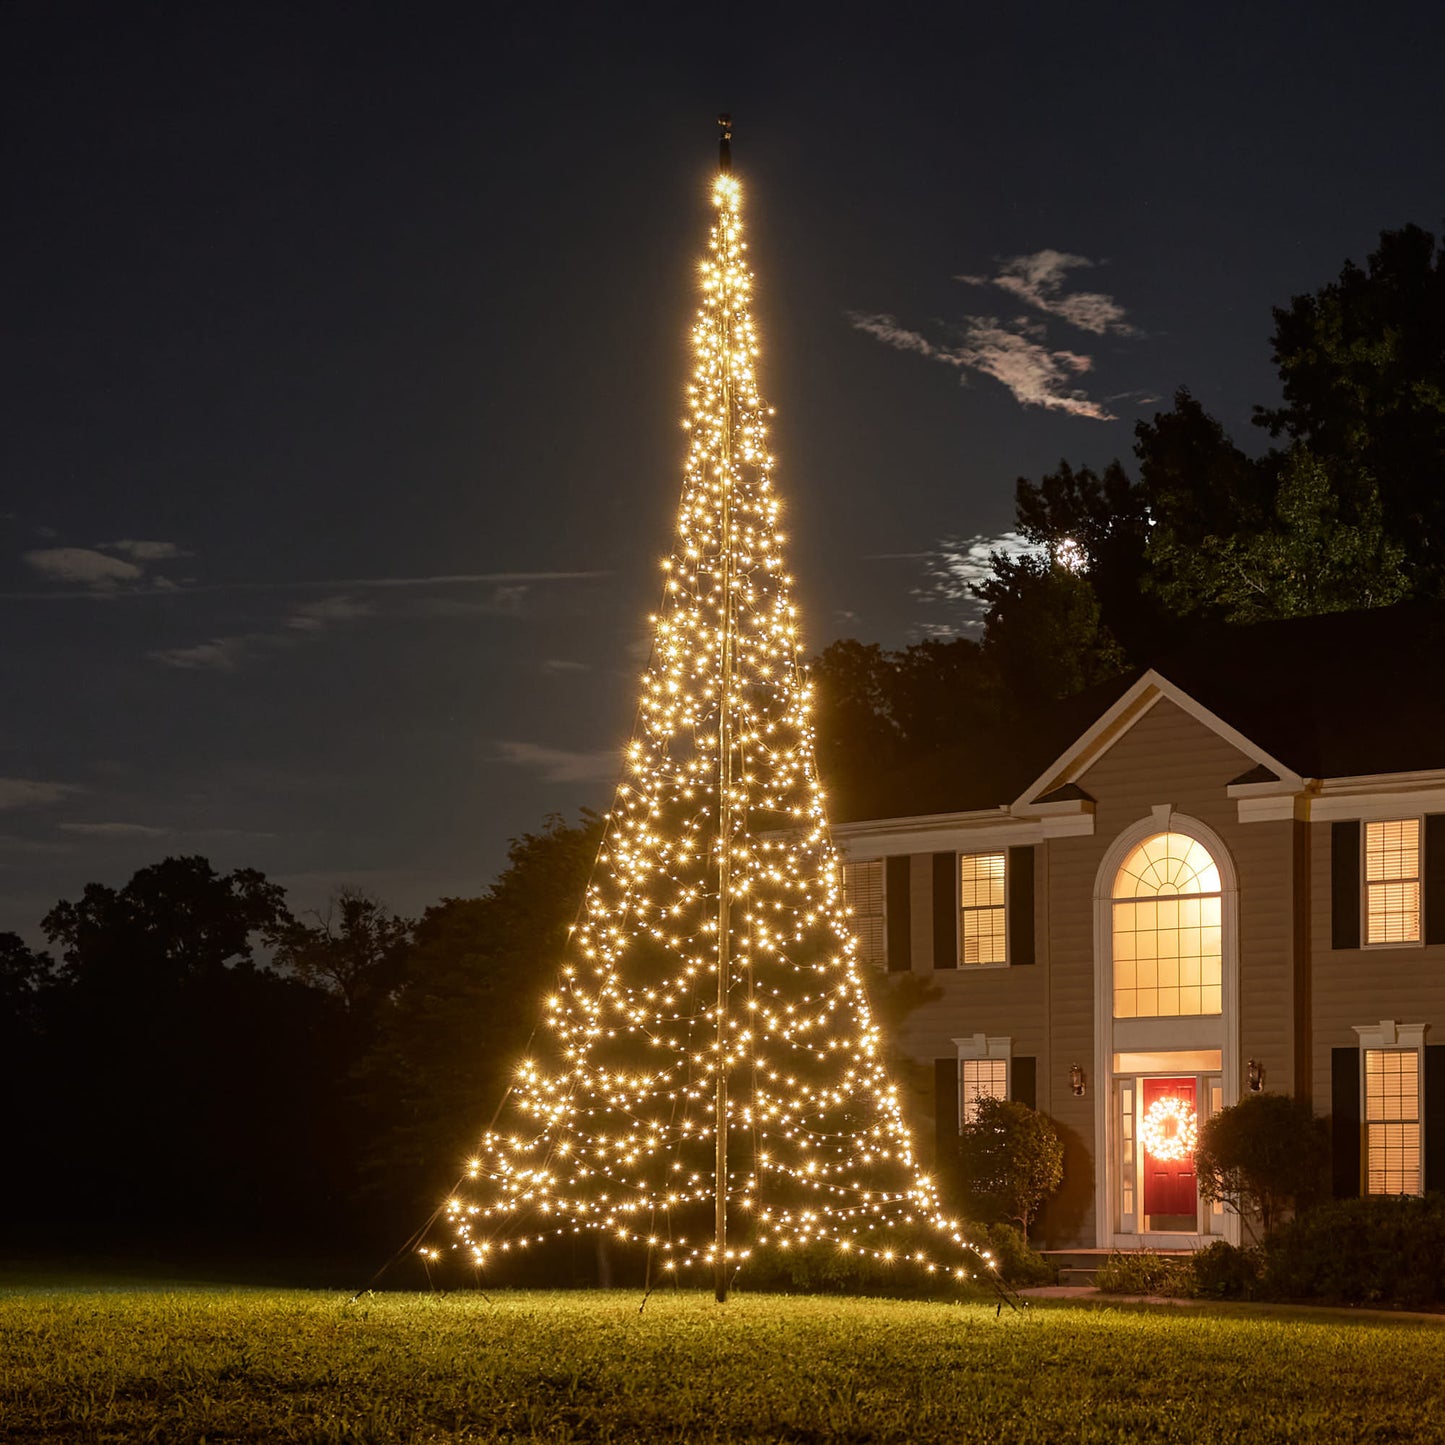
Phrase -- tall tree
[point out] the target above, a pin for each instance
(1362, 366)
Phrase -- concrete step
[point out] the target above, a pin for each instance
(1079, 1276)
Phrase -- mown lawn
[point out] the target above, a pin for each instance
(192, 1364)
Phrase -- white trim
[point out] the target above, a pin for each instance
(1119, 719)
(1203, 1030)
(980, 832)
(1376, 806)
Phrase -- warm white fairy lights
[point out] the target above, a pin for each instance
(1169, 1130)
(716, 845)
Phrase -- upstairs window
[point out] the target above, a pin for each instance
(1392, 881)
(863, 895)
(1167, 930)
(983, 926)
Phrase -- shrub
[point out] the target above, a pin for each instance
(1222, 1271)
(1144, 1272)
(1010, 1159)
(1263, 1155)
(1018, 1263)
(1382, 1249)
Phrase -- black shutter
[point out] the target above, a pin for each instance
(945, 910)
(898, 910)
(945, 1110)
(1345, 1122)
(1020, 905)
(1345, 885)
(1025, 1080)
(1435, 878)
(1435, 1117)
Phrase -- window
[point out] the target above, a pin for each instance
(1392, 881)
(863, 895)
(980, 1079)
(985, 1065)
(983, 932)
(1392, 1121)
(1168, 936)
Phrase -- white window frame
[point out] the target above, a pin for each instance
(983, 1048)
(1400, 1038)
(961, 910)
(1419, 940)
(880, 964)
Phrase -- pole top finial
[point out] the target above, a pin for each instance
(724, 144)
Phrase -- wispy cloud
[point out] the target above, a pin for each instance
(1016, 352)
(507, 587)
(95, 571)
(108, 569)
(225, 654)
(1039, 279)
(556, 765)
(1011, 354)
(114, 830)
(564, 664)
(145, 551)
(30, 792)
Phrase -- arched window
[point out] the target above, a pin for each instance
(1168, 953)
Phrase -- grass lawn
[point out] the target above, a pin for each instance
(199, 1363)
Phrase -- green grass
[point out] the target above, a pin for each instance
(201, 1363)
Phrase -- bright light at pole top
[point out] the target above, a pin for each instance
(615, 1133)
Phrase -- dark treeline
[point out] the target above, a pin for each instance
(195, 1070)
(190, 1066)
(1344, 509)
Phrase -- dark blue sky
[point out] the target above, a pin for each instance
(311, 305)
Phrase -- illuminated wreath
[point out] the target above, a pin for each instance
(1168, 1131)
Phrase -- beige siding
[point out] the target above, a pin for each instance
(1352, 986)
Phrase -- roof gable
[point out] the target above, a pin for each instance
(1118, 720)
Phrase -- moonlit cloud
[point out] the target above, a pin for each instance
(556, 765)
(956, 567)
(1010, 354)
(30, 793)
(1038, 280)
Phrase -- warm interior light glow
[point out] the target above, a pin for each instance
(1392, 881)
(1167, 930)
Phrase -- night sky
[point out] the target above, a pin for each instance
(344, 350)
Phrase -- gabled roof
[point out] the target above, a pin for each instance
(1348, 694)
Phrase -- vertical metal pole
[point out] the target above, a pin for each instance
(725, 818)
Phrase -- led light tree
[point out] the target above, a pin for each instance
(715, 1083)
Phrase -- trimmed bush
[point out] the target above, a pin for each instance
(1010, 1159)
(1221, 1271)
(1382, 1249)
(1019, 1264)
(1263, 1156)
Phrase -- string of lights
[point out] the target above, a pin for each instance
(714, 1083)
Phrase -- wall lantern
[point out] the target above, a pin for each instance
(1076, 1079)
(1255, 1074)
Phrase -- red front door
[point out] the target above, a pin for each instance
(1167, 1109)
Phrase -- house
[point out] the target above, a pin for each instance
(1225, 873)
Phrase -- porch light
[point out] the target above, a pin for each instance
(1076, 1079)
(1255, 1075)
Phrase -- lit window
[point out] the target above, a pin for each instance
(1168, 938)
(982, 931)
(981, 1079)
(1392, 881)
(863, 895)
(1392, 1121)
